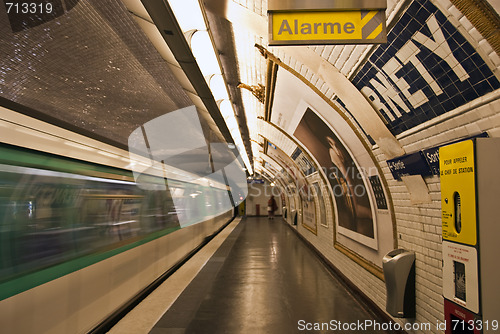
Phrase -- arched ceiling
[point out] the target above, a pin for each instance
(441, 55)
(250, 26)
(337, 72)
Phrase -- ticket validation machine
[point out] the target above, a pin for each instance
(470, 203)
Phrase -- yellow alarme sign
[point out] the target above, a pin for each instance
(310, 27)
(458, 192)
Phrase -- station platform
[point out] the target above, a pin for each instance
(256, 276)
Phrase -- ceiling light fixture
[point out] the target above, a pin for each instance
(191, 19)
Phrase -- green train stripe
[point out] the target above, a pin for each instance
(32, 280)
(28, 158)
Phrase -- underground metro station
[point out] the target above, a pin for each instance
(249, 166)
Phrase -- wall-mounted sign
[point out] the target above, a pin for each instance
(458, 192)
(424, 162)
(426, 68)
(460, 269)
(260, 181)
(378, 191)
(327, 27)
(305, 165)
(326, 22)
(410, 164)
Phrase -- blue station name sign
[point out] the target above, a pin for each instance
(424, 162)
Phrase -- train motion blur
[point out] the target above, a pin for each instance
(76, 219)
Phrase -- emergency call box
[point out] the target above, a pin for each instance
(470, 203)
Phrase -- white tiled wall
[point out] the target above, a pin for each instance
(418, 226)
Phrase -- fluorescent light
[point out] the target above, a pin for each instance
(218, 87)
(226, 109)
(201, 44)
(190, 17)
(232, 124)
(188, 14)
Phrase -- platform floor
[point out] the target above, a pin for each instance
(262, 279)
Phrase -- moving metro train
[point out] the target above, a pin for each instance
(79, 238)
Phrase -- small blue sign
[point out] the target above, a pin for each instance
(410, 164)
(431, 155)
(378, 191)
(260, 181)
(424, 162)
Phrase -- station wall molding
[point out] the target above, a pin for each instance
(355, 102)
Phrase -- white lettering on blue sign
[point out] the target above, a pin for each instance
(426, 69)
(398, 165)
(440, 47)
(433, 157)
(408, 54)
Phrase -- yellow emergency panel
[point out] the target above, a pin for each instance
(458, 192)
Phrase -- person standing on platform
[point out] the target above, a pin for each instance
(271, 207)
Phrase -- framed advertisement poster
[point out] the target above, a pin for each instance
(350, 189)
(321, 203)
(307, 206)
